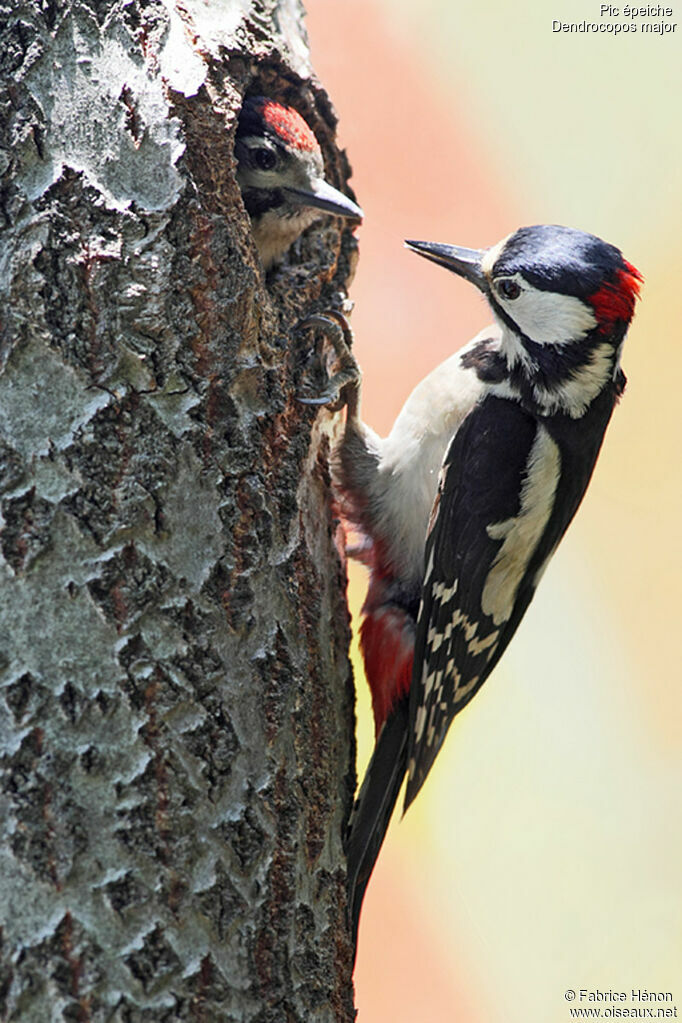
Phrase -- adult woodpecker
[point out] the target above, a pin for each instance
(466, 500)
(281, 175)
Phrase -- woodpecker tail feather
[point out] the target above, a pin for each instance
(374, 806)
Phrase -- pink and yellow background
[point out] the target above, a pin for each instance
(545, 852)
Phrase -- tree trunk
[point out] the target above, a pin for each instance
(176, 707)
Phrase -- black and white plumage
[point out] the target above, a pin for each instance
(281, 174)
(511, 427)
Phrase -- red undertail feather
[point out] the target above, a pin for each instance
(387, 630)
(615, 300)
(387, 643)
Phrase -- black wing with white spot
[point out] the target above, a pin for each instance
(486, 537)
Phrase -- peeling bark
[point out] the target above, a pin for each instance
(176, 706)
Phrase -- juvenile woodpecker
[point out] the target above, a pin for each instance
(464, 503)
(281, 175)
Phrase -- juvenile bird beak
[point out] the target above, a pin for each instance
(323, 197)
(465, 263)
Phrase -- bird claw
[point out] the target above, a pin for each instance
(342, 387)
(331, 400)
(321, 399)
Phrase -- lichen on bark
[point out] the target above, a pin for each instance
(176, 745)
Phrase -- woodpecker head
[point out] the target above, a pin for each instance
(281, 174)
(563, 299)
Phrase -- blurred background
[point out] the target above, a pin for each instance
(545, 851)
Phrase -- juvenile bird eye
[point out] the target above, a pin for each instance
(510, 289)
(264, 158)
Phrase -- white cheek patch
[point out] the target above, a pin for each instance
(547, 317)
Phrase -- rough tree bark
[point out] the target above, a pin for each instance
(176, 716)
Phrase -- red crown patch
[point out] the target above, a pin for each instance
(289, 125)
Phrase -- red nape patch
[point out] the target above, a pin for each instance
(290, 126)
(387, 644)
(615, 300)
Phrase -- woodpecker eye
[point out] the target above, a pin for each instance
(510, 289)
(265, 159)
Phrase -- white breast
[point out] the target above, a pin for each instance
(412, 454)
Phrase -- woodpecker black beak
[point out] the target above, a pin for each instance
(464, 262)
(322, 196)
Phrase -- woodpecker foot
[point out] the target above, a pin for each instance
(342, 387)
